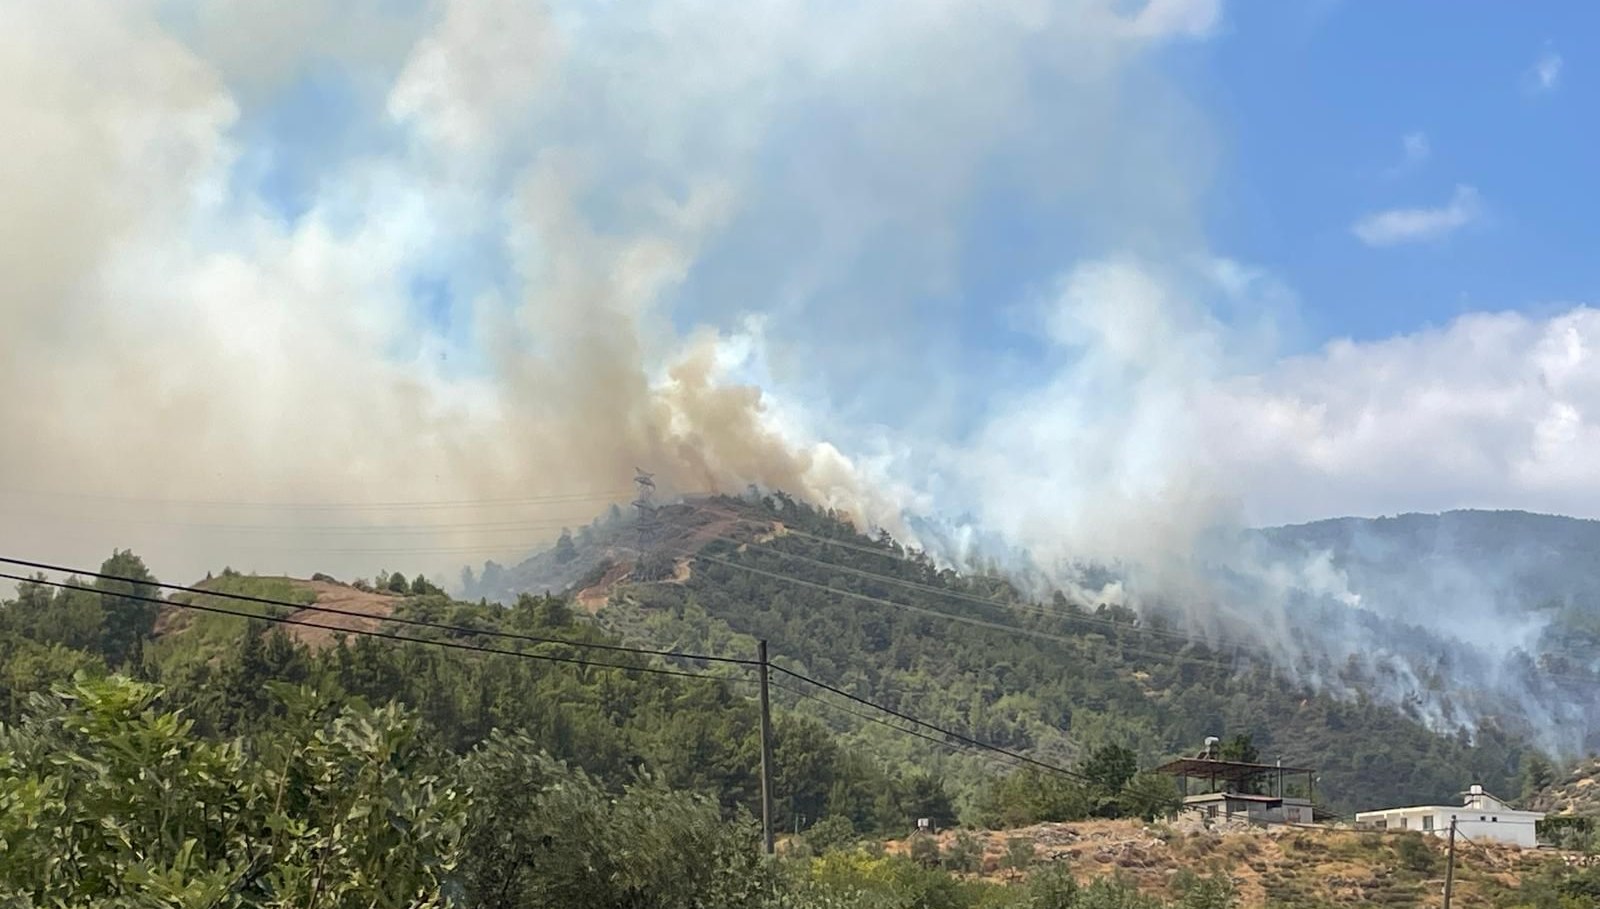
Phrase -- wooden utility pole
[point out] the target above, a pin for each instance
(767, 841)
(1450, 864)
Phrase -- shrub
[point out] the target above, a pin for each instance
(964, 854)
(832, 832)
(1019, 853)
(1415, 854)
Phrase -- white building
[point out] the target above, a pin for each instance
(1481, 816)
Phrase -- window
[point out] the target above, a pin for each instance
(1383, 825)
(1483, 817)
(1405, 822)
(1427, 822)
(1494, 820)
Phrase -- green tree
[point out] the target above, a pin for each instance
(832, 832)
(1030, 796)
(109, 800)
(1110, 767)
(128, 613)
(1537, 775)
(542, 834)
(565, 550)
(1415, 852)
(1052, 888)
(926, 797)
(964, 853)
(1214, 892)
(1241, 748)
(1019, 853)
(805, 762)
(1113, 893)
(397, 583)
(923, 849)
(1149, 796)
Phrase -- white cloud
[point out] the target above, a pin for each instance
(1190, 18)
(1545, 74)
(1413, 225)
(1415, 147)
(1493, 410)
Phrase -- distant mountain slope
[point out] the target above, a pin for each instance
(1504, 560)
(1503, 603)
(1053, 678)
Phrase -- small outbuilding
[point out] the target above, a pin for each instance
(1214, 789)
(1480, 816)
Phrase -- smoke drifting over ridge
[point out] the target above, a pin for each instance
(168, 342)
(521, 249)
(474, 285)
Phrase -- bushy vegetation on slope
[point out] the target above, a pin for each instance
(154, 760)
(1052, 678)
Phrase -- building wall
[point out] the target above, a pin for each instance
(1506, 826)
(1220, 807)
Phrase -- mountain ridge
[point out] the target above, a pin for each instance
(1054, 677)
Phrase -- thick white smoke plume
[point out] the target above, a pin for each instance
(466, 281)
(299, 286)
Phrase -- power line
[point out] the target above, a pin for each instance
(555, 498)
(431, 642)
(862, 715)
(1216, 645)
(1038, 608)
(350, 613)
(1238, 650)
(977, 743)
(458, 645)
(981, 623)
(476, 527)
(965, 740)
(1120, 646)
(1021, 606)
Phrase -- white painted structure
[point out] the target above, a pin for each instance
(1481, 816)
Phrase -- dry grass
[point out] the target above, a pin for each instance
(373, 608)
(1282, 866)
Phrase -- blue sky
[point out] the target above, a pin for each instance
(1309, 107)
(1314, 108)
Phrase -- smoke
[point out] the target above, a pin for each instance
(171, 343)
(489, 260)
(298, 287)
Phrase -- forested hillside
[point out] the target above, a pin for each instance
(970, 652)
(203, 750)
(206, 750)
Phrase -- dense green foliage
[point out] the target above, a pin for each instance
(157, 757)
(110, 798)
(1051, 678)
(106, 799)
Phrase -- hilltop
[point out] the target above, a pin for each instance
(580, 560)
(1055, 678)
